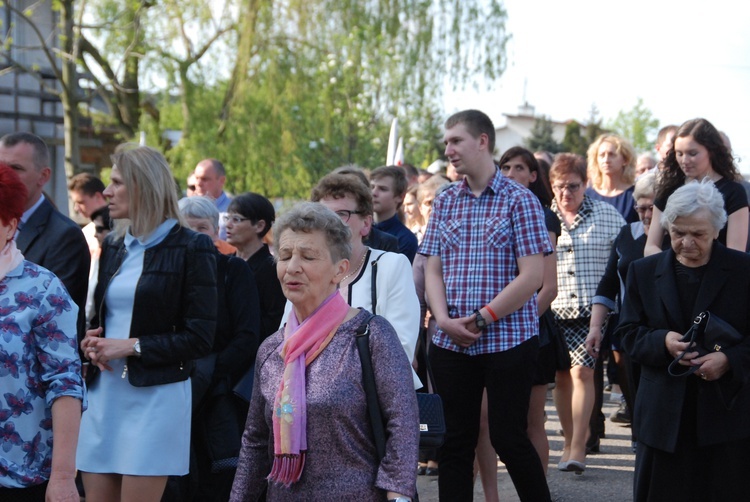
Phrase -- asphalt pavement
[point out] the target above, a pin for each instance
(608, 475)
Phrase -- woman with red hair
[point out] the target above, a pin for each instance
(40, 371)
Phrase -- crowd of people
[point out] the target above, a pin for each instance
(193, 346)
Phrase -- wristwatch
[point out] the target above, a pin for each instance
(399, 499)
(480, 321)
(137, 348)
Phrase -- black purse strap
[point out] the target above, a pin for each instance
(373, 283)
(362, 337)
(699, 325)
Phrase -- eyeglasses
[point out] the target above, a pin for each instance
(570, 187)
(234, 218)
(643, 209)
(345, 214)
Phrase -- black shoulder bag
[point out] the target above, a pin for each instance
(431, 418)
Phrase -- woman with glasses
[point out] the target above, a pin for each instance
(249, 218)
(377, 281)
(627, 248)
(611, 170)
(589, 228)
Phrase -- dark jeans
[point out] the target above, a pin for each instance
(460, 380)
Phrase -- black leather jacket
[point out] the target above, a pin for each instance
(174, 311)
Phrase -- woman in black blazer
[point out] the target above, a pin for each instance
(693, 431)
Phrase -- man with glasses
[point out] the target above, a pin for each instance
(485, 245)
(378, 281)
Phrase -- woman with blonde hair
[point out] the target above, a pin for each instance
(156, 300)
(611, 171)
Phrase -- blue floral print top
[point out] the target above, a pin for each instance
(39, 362)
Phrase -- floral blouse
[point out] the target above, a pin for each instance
(39, 362)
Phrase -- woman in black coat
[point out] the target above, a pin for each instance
(693, 431)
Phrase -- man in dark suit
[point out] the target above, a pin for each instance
(45, 236)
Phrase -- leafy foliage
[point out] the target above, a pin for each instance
(638, 125)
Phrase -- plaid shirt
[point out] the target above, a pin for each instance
(479, 240)
(582, 254)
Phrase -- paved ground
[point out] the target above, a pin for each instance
(608, 476)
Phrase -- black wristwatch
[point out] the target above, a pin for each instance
(480, 321)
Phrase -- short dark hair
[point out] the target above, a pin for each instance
(41, 152)
(476, 122)
(254, 207)
(103, 213)
(339, 186)
(86, 183)
(410, 171)
(396, 174)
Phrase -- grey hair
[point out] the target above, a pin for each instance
(310, 217)
(645, 186)
(199, 207)
(692, 198)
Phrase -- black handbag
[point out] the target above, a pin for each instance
(707, 334)
(431, 417)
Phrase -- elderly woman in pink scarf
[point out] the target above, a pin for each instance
(308, 434)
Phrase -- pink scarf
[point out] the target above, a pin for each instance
(304, 342)
(10, 258)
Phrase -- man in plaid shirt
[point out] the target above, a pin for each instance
(485, 243)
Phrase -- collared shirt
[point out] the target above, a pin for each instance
(479, 240)
(407, 241)
(222, 204)
(38, 363)
(582, 253)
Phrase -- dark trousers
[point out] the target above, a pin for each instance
(36, 493)
(460, 380)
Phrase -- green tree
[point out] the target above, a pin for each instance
(315, 83)
(573, 141)
(637, 125)
(542, 136)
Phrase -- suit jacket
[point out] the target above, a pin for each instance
(652, 308)
(56, 242)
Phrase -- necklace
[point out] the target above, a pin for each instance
(364, 255)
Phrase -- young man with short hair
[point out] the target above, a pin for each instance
(485, 244)
(389, 185)
(87, 193)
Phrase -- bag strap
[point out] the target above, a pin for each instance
(431, 387)
(675, 368)
(362, 337)
(373, 282)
